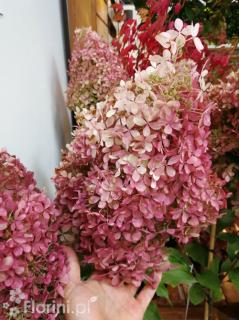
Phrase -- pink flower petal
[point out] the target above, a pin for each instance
(3, 225)
(168, 129)
(171, 172)
(136, 176)
(178, 24)
(173, 160)
(136, 236)
(139, 121)
(195, 29)
(198, 44)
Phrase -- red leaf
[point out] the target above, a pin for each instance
(128, 49)
(117, 7)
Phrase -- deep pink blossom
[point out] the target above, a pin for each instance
(32, 262)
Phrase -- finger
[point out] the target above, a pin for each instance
(147, 293)
(74, 274)
(131, 289)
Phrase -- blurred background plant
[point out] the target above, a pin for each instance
(219, 17)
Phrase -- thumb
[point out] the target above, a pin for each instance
(147, 293)
(74, 274)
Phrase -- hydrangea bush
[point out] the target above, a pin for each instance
(224, 144)
(94, 70)
(138, 170)
(32, 263)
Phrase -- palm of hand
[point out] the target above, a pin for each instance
(93, 300)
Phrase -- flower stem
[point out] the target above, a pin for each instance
(210, 260)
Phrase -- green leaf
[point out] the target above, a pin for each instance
(233, 249)
(176, 257)
(162, 291)
(197, 252)
(152, 313)
(226, 265)
(217, 295)
(189, 13)
(209, 280)
(207, 27)
(175, 277)
(234, 277)
(229, 237)
(196, 294)
(226, 220)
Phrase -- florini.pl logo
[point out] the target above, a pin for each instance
(22, 306)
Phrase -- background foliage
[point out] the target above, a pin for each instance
(219, 17)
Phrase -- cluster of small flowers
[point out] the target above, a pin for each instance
(31, 260)
(138, 170)
(225, 117)
(94, 70)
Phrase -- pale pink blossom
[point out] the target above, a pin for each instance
(175, 39)
(150, 176)
(94, 70)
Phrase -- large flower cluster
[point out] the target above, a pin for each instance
(32, 264)
(94, 70)
(138, 171)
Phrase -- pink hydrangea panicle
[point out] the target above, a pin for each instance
(32, 263)
(138, 171)
(95, 69)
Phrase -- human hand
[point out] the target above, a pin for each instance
(93, 300)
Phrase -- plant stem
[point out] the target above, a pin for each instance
(210, 260)
(212, 244)
(206, 311)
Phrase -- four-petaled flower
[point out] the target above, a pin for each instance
(176, 39)
(17, 296)
(5, 305)
(14, 312)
